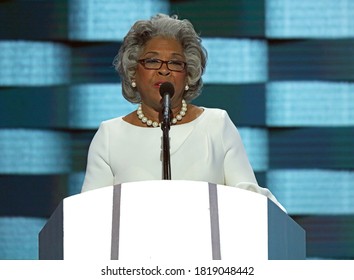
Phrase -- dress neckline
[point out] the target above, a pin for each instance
(196, 120)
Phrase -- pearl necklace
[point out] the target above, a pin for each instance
(148, 122)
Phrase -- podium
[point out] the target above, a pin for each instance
(170, 221)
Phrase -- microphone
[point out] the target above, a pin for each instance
(167, 88)
(166, 91)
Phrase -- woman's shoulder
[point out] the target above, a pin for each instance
(111, 123)
(215, 111)
(215, 114)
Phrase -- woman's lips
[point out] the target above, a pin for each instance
(158, 84)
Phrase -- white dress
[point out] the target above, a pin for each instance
(207, 149)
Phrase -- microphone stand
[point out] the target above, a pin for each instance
(165, 126)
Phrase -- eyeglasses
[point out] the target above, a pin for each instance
(156, 64)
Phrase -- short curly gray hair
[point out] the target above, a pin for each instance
(142, 31)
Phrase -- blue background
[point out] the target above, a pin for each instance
(283, 70)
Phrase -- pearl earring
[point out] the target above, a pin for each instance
(133, 84)
(186, 87)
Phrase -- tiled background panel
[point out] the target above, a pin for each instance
(34, 20)
(19, 237)
(108, 20)
(245, 103)
(224, 18)
(306, 60)
(34, 63)
(34, 151)
(34, 107)
(309, 19)
(313, 191)
(310, 104)
(92, 62)
(330, 148)
(31, 195)
(328, 236)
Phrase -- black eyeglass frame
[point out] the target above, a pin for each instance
(162, 62)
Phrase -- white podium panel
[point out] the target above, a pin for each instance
(170, 220)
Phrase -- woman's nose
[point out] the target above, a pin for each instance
(164, 71)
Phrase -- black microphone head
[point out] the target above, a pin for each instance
(167, 88)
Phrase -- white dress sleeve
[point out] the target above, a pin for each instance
(98, 170)
(237, 167)
(238, 170)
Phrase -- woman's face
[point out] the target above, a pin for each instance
(148, 81)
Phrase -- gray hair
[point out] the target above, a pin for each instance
(142, 31)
